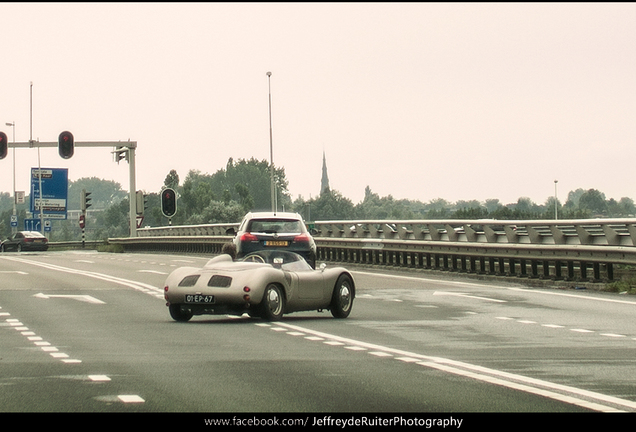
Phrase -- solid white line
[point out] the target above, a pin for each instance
(506, 379)
(140, 286)
(521, 387)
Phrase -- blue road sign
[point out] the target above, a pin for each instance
(54, 192)
(32, 225)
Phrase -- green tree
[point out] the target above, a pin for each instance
(104, 193)
(593, 201)
(172, 180)
(330, 205)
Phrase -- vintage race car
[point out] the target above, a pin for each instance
(263, 284)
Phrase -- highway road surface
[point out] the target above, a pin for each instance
(88, 332)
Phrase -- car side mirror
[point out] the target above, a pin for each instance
(323, 266)
(230, 231)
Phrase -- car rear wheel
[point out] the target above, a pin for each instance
(177, 314)
(342, 299)
(273, 303)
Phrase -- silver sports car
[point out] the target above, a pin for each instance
(263, 284)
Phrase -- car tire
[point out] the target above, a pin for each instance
(342, 298)
(177, 314)
(273, 303)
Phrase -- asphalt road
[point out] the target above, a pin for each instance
(87, 332)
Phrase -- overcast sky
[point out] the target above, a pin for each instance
(421, 101)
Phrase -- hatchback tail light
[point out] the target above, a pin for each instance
(248, 237)
(303, 238)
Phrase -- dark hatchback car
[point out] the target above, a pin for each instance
(25, 241)
(268, 230)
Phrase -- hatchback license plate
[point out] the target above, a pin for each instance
(275, 243)
(199, 299)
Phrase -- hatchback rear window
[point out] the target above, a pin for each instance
(275, 226)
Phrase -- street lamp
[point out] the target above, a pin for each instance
(556, 215)
(12, 124)
(271, 148)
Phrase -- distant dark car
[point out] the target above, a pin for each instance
(25, 241)
(269, 231)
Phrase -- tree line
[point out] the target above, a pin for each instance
(244, 185)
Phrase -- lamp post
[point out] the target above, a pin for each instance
(271, 148)
(12, 124)
(31, 142)
(556, 215)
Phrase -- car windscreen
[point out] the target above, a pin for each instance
(275, 226)
(297, 266)
(32, 234)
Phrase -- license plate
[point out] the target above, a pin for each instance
(275, 243)
(199, 299)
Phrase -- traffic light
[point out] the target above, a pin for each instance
(86, 201)
(65, 145)
(168, 202)
(120, 153)
(4, 145)
(142, 202)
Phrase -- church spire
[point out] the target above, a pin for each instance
(324, 183)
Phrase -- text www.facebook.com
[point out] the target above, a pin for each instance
(329, 421)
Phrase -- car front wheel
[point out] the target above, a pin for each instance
(342, 299)
(273, 303)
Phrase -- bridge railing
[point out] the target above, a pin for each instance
(578, 249)
(609, 232)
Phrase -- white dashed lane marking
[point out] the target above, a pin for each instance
(55, 353)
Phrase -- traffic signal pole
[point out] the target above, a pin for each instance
(129, 145)
(132, 199)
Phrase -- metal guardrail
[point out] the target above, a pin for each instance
(609, 232)
(89, 244)
(580, 249)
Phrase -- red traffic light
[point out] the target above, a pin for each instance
(66, 145)
(168, 202)
(4, 145)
